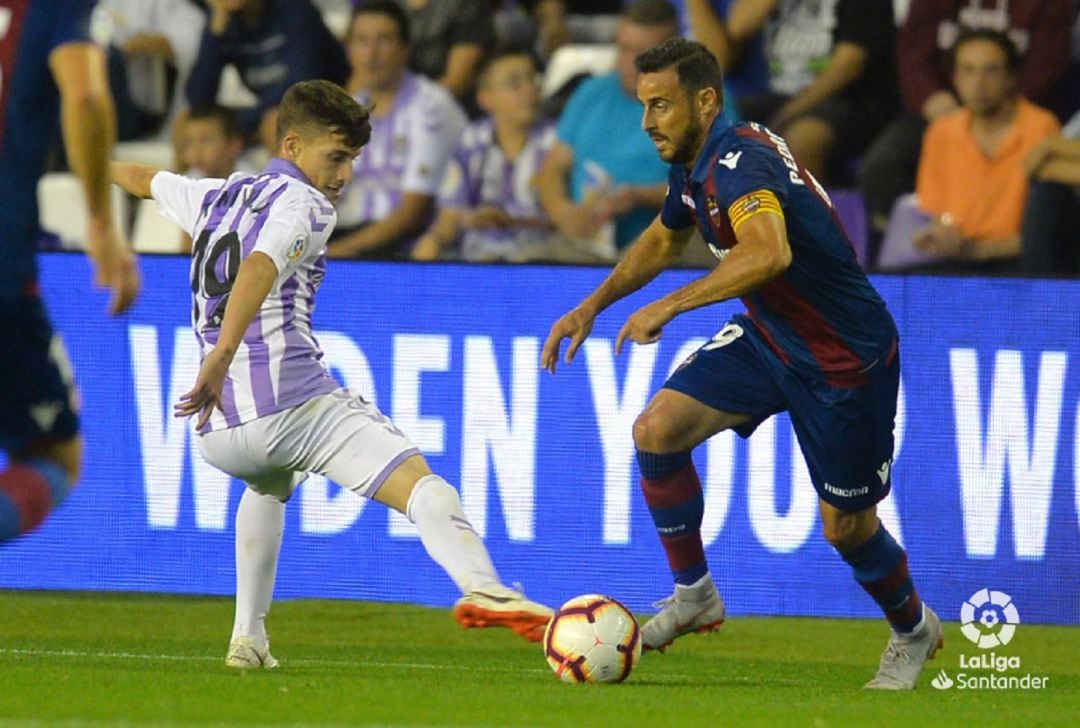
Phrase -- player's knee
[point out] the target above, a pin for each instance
(837, 533)
(73, 467)
(433, 494)
(651, 433)
(845, 533)
(66, 454)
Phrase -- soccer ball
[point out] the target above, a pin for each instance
(592, 638)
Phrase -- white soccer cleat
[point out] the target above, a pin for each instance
(680, 615)
(244, 654)
(500, 606)
(906, 655)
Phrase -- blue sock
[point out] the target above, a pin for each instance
(880, 566)
(672, 491)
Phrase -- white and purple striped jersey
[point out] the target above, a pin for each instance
(278, 364)
(408, 151)
(480, 174)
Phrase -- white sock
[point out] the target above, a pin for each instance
(450, 540)
(260, 522)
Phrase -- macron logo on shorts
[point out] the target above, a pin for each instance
(847, 492)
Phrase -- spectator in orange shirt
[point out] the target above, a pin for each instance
(1039, 28)
(971, 178)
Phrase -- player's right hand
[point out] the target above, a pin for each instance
(205, 396)
(115, 266)
(576, 326)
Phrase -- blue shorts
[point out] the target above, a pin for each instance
(36, 388)
(845, 433)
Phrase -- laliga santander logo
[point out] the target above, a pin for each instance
(989, 618)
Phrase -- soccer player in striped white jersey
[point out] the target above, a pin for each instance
(268, 411)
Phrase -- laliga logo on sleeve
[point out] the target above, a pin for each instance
(297, 248)
(989, 618)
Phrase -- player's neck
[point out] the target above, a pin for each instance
(702, 141)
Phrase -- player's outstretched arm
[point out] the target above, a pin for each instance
(133, 177)
(762, 254)
(89, 127)
(254, 280)
(657, 249)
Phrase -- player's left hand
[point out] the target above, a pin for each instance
(205, 396)
(645, 325)
(115, 266)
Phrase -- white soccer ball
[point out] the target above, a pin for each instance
(594, 639)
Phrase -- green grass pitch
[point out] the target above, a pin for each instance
(94, 659)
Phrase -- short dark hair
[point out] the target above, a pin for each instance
(388, 8)
(223, 115)
(324, 107)
(504, 50)
(696, 67)
(1013, 61)
(651, 13)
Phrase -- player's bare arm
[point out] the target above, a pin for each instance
(132, 177)
(89, 128)
(254, 280)
(762, 254)
(656, 249)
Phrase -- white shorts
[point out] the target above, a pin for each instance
(339, 435)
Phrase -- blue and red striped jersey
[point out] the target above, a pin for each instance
(30, 30)
(822, 314)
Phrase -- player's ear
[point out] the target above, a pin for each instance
(291, 146)
(707, 100)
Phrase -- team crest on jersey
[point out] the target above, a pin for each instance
(713, 206)
(297, 248)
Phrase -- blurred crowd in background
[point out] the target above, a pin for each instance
(946, 131)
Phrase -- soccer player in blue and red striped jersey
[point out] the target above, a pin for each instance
(49, 68)
(817, 342)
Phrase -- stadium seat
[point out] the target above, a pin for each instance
(155, 153)
(898, 249)
(152, 232)
(62, 208)
(571, 60)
